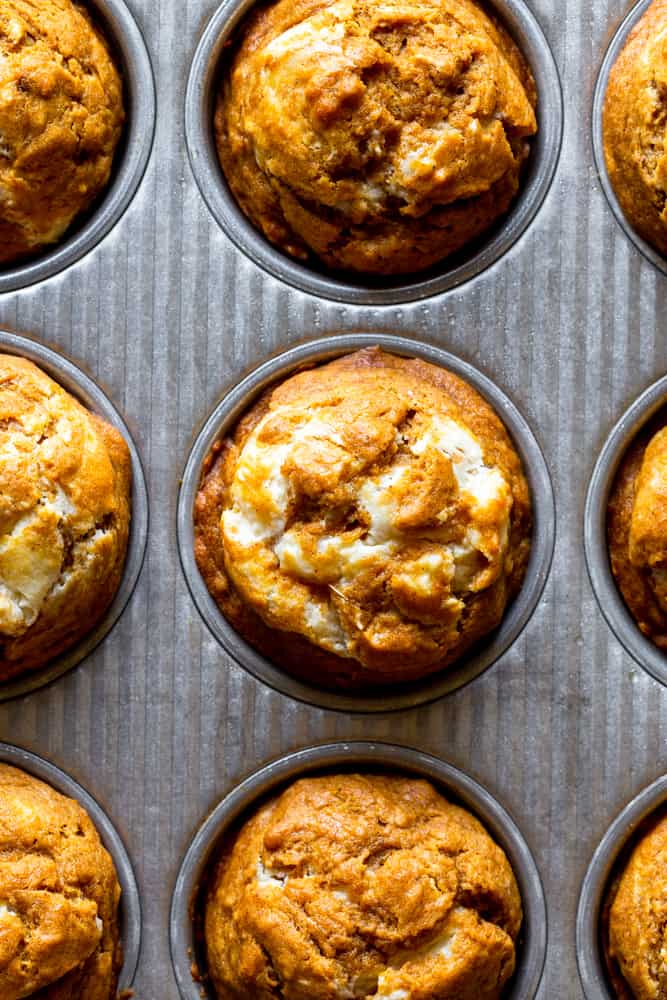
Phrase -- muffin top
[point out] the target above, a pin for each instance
(637, 532)
(61, 114)
(361, 886)
(635, 127)
(59, 895)
(377, 137)
(64, 517)
(637, 919)
(366, 522)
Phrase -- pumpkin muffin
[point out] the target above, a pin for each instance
(635, 920)
(61, 117)
(637, 532)
(374, 138)
(635, 127)
(361, 886)
(59, 896)
(65, 477)
(366, 521)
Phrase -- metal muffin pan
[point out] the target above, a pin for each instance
(131, 56)
(613, 52)
(80, 385)
(595, 885)
(609, 597)
(200, 99)
(361, 756)
(489, 650)
(130, 903)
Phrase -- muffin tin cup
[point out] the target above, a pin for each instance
(613, 52)
(71, 378)
(590, 958)
(222, 421)
(608, 596)
(199, 130)
(353, 756)
(129, 51)
(130, 904)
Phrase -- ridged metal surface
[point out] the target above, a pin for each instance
(158, 724)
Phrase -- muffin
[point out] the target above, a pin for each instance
(61, 116)
(361, 886)
(59, 896)
(637, 531)
(635, 127)
(366, 521)
(374, 138)
(65, 478)
(635, 919)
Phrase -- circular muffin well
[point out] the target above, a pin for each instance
(188, 953)
(638, 419)
(74, 382)
(114, 22)
(129, 914)
(240, 399)
(600, 975)
(630, 24)
(201, 96)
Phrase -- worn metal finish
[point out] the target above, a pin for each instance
(593, 891)
(87, 392)
(362, 756)
(222, 421)
(609, 597)
(199, 109)
(130, 908)
(125, 38)
(159, 723)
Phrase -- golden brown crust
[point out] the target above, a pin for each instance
(637, 530)
(371, 576)
(65, 479)
(61, 114)
(376, 137)
(635, 127)
(635, 930)
(59, 896)
(361, 886)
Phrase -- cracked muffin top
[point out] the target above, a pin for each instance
(361, 886)
(375, 137)
(637, 532)
(635, 127)
(635, 916)
(61, 116)
(64, 517)
(59, 896)
(366, 521)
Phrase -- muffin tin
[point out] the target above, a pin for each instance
(130, 904)
(358, 757)
(200, 98)
(131, 56)
(160, 722)
(484, 654)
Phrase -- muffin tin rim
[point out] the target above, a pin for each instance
(130, 903)
(236, 401)
(368, 754)
(608, 596)
(546, 146)
(140, 96)
(596, 880)
(79, 384)
(612, 52)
